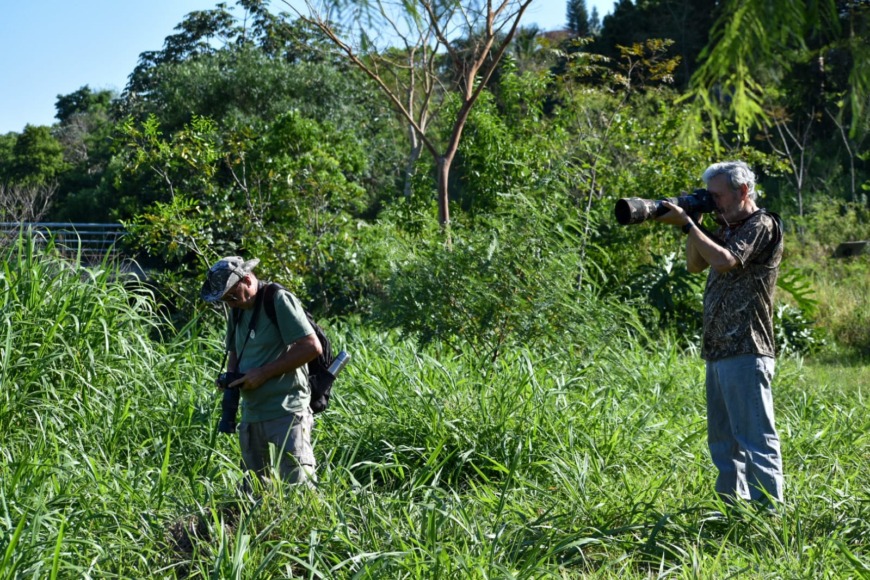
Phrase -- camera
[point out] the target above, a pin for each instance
(224, 380)
(230, 402)
(634, 210)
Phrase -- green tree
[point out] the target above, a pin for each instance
(38, 157)
(246, 72)
(84, 101)
(7, 157)
(578, 18)
(594, 22)
(86, 122)
(624, 25)
(754, 43)
(195, 67)
(201, 32)
(30, 165)
(426, 29)
(287, 191)
(686, 22)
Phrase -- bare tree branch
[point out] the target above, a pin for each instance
(466, 31)
(26, 203)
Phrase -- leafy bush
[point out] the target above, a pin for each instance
(840, 286)
(516, 283)
(507, 147)
(794, 333)
(672, 293)
(826, 225)
(289, 197)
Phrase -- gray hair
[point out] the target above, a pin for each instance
(738, 174)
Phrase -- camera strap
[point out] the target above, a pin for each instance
(235, 316)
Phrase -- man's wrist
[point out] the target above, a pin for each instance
(688, 226)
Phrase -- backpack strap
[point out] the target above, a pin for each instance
(777, 221)
(269, 292)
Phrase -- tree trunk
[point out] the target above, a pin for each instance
(413, 157)
(443, 198)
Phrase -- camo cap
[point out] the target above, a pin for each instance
(223, 275)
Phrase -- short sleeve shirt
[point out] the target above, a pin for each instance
(738, 305)
(279, 396)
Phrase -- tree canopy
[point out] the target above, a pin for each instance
(330, 142)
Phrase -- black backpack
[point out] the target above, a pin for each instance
(319, 378)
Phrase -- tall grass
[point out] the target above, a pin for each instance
(841, 285)
(103, 416)
(584, 461)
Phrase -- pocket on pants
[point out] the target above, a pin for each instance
(244, 430)
(251, 448)
(292, 434)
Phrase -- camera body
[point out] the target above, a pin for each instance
(634, 210)
(230, 402)
(224, 380)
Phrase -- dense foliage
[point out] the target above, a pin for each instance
(247, 132)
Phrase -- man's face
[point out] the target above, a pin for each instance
(727, 200)
(240, 296)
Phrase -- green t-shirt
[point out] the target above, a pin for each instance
(279, 396)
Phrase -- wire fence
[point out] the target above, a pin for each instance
(93, 241)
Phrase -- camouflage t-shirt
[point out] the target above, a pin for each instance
(738, 305)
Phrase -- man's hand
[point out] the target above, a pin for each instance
(227, 380)
(297, 354)
(677, 216)
(253, 379)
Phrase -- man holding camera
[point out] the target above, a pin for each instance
(738, 341)
(272, 357)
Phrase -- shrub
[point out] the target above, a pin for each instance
(514, 283)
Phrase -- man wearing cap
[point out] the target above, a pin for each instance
(275, 394)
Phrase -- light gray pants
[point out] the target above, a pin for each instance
(743, 441)
(291, 438)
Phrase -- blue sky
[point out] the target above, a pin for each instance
(53, 47)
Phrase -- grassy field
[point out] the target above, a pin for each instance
(586, 462)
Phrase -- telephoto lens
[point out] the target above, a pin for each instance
(229, 409)
(230, 401)
(635, 210)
